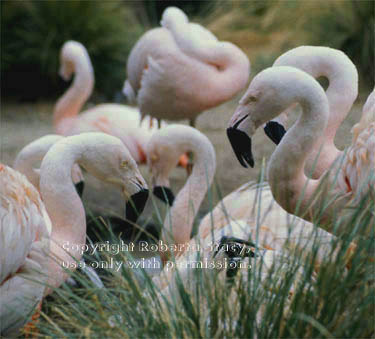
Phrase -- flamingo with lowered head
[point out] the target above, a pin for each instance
(121, 121)
(240, 204)
(270, 226)
(270, 93)
(26, 219)
(180, 69)
(341, 93)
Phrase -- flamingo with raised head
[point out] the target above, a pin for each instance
(27, 272)
(179, 70)
(341, 93)
(352, 175)
(120, 121)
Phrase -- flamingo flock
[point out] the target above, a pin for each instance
(175, 72)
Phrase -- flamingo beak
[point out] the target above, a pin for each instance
(135, 205)
(165, 194)
(241, 145)
(275, 131)
(80, 187)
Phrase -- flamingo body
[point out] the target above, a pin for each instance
(181, 69)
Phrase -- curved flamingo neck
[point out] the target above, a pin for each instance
(231, 65)
(286, 167)
(341, 93)
(63, 206)
(179, 222)
(33, 154)
(70, 104)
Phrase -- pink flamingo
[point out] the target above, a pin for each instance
(120, 121)
(341, 93)
(27, 217)
(271, 92)
(237, 216)
(242, 204)
(180, 69)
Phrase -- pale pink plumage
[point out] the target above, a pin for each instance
(357, 170)
(341, 93)
(181, 69)
(24, 245)
(270, 93)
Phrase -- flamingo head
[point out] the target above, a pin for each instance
(160, 166)
(171, 16)
(70, 51)
(163, 153)
(111, 161)
(270, 93)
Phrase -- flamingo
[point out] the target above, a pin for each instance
(243, 204)
(181, 69)
(352, 175)
(120, 121)
(341, 93)
(30, 223)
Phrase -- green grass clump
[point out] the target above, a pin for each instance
(292, 299)
(33, 32)
(267, 29)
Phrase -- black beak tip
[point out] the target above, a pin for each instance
(165, 194)
(80, 187)
(241, 145)
(136, 204)
(274, 131)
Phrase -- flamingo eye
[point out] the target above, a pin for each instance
(248, 100)
(124, 164)
(251, 99)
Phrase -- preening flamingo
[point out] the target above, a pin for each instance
(275, 224)
(32, 155)
(270, 93)
(102, 155)
(181, 69)
(121, 121)
(341, 93)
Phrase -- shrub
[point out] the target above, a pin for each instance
(34, 31)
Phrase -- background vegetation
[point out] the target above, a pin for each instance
(32, 33)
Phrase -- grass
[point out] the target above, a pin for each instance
(289, 298)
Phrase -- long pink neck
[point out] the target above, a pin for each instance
(286, 167)
(179, 222)
(341, 94)
(70, 104)
(64, 208)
